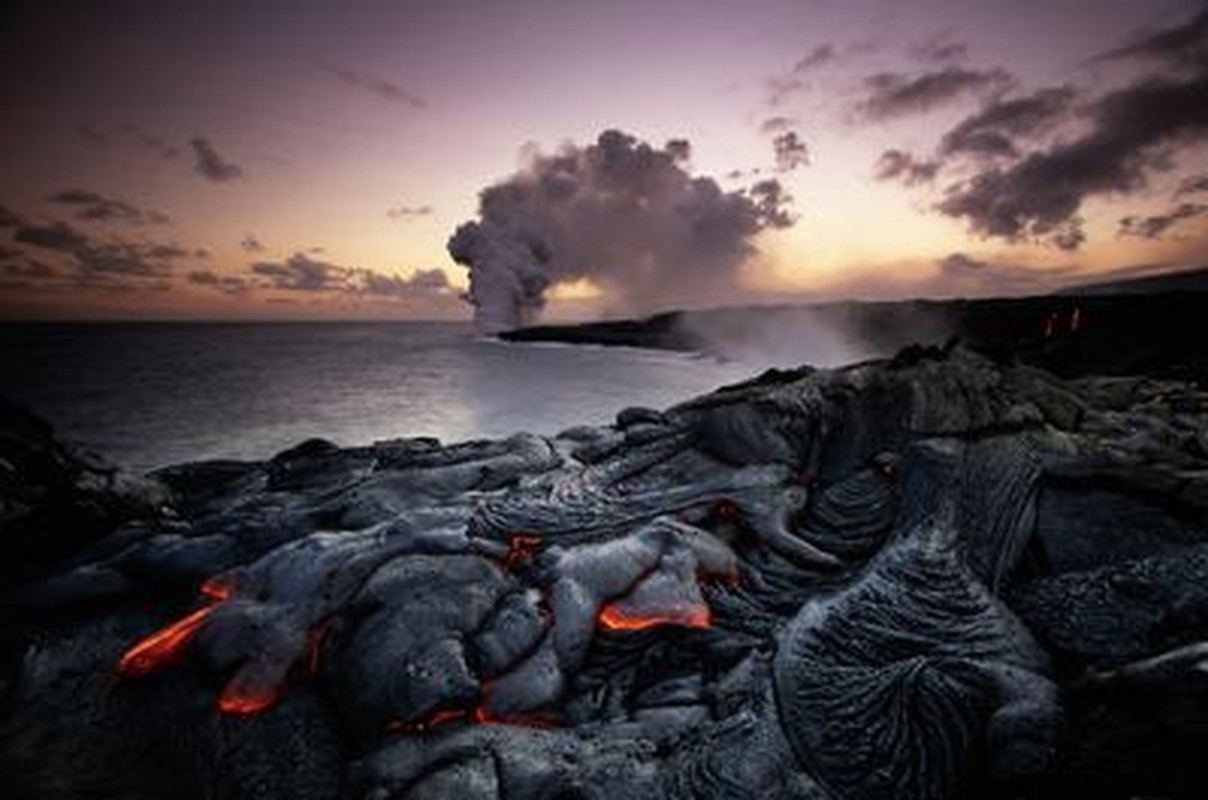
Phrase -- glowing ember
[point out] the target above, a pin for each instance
(521, 547)
(613, 618)
(239, 701)
(217, 589)
(163, 646)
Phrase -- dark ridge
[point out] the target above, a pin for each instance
(1156, 334)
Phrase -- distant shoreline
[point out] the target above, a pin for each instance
(1157, 334)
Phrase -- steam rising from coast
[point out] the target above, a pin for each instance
(621, 213)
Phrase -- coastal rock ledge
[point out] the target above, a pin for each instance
(931, 576)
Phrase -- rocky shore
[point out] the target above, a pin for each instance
(1153, 332)
(943, 574)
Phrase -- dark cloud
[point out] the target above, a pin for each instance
(94, 207)
(127, 135)
(422, 283)
(822, 54)
(1020, 181)
(156, 145)
(777, 124)
(409, 212)
(301, 273)
(210, 165)
(1129, 132)
(993, 129)
(386, 90)
(940, 50)
(782, 86)
(1184, 44)
(28, 270)
(17, 272)
(622, 213)
(96, 260)
(251, 244)
(132, 134)
(898, 165)
(56, 236)
(92, 135)
(9, 218)
(892, 95)
(1193, 184)
(680, 149)
(772, 204)
(963, 273)
(231, 284)
(1153, 227)
(791, 152)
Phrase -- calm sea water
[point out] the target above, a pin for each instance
(150, 394)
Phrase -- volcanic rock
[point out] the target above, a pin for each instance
(938, 575)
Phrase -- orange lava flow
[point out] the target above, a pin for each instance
(240, 702)
(163, 646)
(217, 590)
(166, 644)
(614, 619)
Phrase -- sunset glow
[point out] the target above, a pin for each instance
(302, 160)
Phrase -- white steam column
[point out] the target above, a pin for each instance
(507, 274)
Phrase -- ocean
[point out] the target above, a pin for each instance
(146, 395)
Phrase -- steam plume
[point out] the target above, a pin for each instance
(619, 212)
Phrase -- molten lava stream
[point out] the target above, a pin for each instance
(612, 618)
(163, 646)
(166, 644)
(217, 590)
(241, 702)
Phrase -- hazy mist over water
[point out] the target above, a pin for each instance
(146, 395)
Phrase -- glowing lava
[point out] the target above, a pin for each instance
(613, 618)
(217, 590)
(521, 547)
(162, 647)
(166, 644)
(240, 702)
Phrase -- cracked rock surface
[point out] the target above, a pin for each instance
(929, 576)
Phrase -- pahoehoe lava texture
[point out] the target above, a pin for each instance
(931, 576)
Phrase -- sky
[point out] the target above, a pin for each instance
(293, 159)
